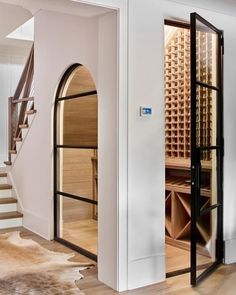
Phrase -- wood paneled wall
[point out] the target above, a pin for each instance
(77, 180)
(80, 121)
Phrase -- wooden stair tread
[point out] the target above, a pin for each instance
(12, 152)
(8, 163)
(10, 215)
(7, 201)
(18, 139)
(3, 174)
(24, 99)
(5, 186)
(30, 112)
(23, 126)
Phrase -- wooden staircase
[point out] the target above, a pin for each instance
(21, 109)
(9, 216)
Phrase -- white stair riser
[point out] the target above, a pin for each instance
(13, 158)
(24, 132)
(8, 223)
(6, 193)
(18, 146)
(8, 207)
(3, 180)
(30, 119)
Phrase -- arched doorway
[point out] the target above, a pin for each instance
(75, 161)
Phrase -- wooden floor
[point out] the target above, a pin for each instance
(82, 233)
(221, 282)
(178, 259)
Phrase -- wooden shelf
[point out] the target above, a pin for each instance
(182, 185)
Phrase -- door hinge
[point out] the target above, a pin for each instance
(223, 252)
(222, 44)
(223, 147)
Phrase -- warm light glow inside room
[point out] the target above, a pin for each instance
(178, 147)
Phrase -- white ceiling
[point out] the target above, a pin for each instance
(11, 17)
(65, 6)
(13, 13)
(221, 6)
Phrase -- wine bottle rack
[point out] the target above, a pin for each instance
(177, 94)
(178, 134)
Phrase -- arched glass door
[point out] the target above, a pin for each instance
(75, 161)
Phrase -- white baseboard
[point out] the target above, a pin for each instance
(147, 271)
(36, 224)
(3, 158)
(230, 253)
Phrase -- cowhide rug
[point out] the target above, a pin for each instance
(28, 268)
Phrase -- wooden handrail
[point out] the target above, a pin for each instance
(19, 104)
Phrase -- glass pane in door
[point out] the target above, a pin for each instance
(78, 223)
(206, 54)
(78, 172)
(206, 241)
(206, 118)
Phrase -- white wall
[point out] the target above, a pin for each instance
(12, 60)
(107, 153)
(146, 147)
(60, 40)
(146, 135)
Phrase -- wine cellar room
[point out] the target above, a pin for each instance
(177, 75)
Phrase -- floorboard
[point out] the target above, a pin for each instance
(222, 281)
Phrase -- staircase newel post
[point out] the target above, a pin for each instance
(10, 126)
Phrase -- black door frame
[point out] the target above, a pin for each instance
(196, 211)
(220, 246)
(57, 147)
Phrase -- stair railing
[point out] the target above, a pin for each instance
(19, 104)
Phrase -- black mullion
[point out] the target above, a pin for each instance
(67, 146)
(206, 148)
(78, 95)
(220, 142)
(76, 197)
(203, 84)
(74, 247)
(193, 150)
(207, 272)
(55, 170)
